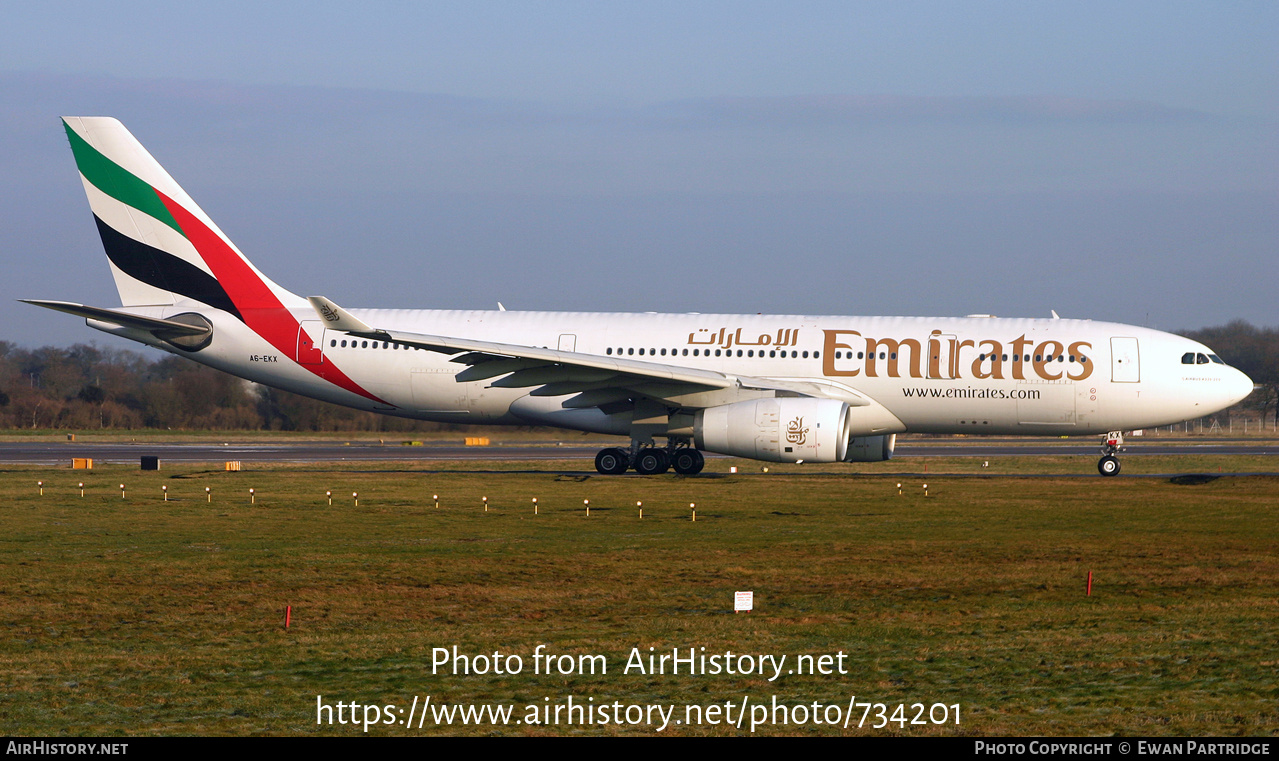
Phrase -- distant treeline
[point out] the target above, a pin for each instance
(85, 387)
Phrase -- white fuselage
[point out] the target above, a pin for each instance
(910, 374)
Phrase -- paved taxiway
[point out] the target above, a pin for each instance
(54, 453)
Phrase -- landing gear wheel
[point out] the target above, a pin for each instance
(1108, 465)
(688, 462)
(652, 461)
(612, 462)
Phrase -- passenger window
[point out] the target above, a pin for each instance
(630, 351)
(805, 355)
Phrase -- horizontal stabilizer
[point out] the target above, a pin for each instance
(116, 317)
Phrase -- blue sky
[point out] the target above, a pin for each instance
(1108, 160)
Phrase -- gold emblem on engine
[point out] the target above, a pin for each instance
(796, 433)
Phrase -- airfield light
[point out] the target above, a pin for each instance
(82, 488)
(208, 494)
(899, 490)
(486, 504)
(252, 497)
(436, 497)
(41, 485)
(925, 490)
(165, 489)
(329, 495)
(640, 505)
(355, 495)
(535, 505)
(121, 491)
(693, 506)
(587, 503)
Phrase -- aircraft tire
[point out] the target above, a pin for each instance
(611, 462)
(1108, 465)
(688, 462)
(652, 462)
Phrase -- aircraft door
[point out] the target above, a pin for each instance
(310, 348)
(568, 342)
(943, 360)
(1125, 360)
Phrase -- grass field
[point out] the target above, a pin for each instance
(137, 616)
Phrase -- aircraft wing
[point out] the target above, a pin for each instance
(595, 379)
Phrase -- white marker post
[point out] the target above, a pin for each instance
(743, 602)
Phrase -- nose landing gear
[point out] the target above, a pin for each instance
(1108, 465)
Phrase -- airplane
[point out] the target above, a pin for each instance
(775, 388)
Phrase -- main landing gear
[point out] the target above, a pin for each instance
(649, 460)
(1108, 465)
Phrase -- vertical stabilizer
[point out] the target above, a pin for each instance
(162, 247)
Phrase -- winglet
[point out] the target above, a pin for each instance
(336, 317)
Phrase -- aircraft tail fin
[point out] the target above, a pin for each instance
(163, 249)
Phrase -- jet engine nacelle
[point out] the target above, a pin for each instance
(871, 448)
(788, 429)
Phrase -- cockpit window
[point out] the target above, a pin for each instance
(1188, 358)
(1201, 359)
(1216, 359)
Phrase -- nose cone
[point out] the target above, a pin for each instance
(1238, 386)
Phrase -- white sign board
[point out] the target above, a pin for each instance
(743, 602)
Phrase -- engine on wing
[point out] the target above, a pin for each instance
(777, 430)
(871, 448)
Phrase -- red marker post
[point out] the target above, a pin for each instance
(288, 615)
(1089, 584)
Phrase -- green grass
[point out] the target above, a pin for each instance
(137, 616)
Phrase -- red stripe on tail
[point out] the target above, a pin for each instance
(261, 309)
